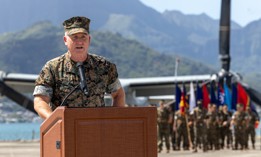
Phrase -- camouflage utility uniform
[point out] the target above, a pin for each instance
(181, 130)
(200, 116)
(250, 130)
(163, 127)
(239, 119)
(225, 131)
(212, 132)
(60, 75)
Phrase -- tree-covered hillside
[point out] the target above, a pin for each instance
(28, 50)
(192, 36)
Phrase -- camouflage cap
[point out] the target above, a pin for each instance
(77, 24)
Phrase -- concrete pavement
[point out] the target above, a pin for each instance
(219, 153)
(32, 149)
(19, 149)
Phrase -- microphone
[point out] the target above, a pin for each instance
(83, 84)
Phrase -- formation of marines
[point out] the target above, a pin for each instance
(213, 128)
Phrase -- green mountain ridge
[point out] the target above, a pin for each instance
(28, 50)
(171, 32)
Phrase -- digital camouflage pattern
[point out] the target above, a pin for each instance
(200, 116)
(60, 75)
(163, 118)
(240, 129)
(213, 130)
(225, 130)
(253, 118)
(181, 130)
(76, 25)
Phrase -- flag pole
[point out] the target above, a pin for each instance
(176, 67)
(176, 74)
(188, 130)
(175, 106)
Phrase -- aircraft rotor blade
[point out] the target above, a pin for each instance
(224, 35)
(17, 97)
(253, 94)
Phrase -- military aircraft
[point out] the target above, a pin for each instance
(13, 85)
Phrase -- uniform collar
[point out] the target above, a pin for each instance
(70, 65)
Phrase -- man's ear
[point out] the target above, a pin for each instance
(90, 39)
(65, 39)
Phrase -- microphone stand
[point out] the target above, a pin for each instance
(82, 85)
(73, 90)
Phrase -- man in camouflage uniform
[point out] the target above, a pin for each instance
(226, 133)
(181, 129)
(252, 120)
(200, 127)
(239, 120)
(163, 120)
(60, 75)
(212, 123)
(191, 136)
(173, 135)
(200, 116)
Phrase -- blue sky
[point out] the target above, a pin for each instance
(242, 11)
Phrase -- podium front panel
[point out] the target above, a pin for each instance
(103, 132)
(111, 137)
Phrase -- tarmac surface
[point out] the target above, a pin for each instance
(32, 149)
(19, 149)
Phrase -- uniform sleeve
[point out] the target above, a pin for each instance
(43, 90)
(44, 83)
(113, 80)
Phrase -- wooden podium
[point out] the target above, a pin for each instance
(100, 132)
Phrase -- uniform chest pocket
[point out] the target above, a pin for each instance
(96, 88)
(66, 84)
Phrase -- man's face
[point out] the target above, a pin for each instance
(240, 108)
(225, 108)
(77, 43)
